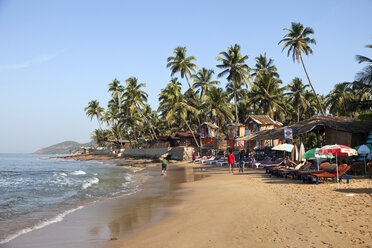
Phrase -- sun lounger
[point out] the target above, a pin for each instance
(342, 169)
(209, 159)
(305, 171)
(258, 163)
(202, 159)
(286, 172)
(216, 159)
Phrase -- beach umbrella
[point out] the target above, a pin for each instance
(283, 147)
(364, 151)
(336, 150)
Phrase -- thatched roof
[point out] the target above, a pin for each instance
(236, 125)
(345, 124)
(210, 124)
(262, 120)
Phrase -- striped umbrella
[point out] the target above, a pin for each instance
(336, 150)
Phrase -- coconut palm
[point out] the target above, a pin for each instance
(264, 66)
(182, 64)
(203, 82)
(94, 110)
(296, 95)
(338, 100)
(217, 106)
(366, 74)
(237, 71)
(298, 42)
(173, 105)
(135, 99)
(116, 89)
(267, 93)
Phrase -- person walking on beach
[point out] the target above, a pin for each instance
(231, 161)
(241, 161)
(164, 164)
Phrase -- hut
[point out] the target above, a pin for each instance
(255, 123)
(234, 132)
(208, 136)
(187, 139)
(336, 130)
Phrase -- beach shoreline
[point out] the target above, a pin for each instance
(222, 210)
(99, 222)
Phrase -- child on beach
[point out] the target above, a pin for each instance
(193, 157)
(164, 163)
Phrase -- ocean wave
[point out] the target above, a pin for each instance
(78, 172)
(56, 219)
(90, 182)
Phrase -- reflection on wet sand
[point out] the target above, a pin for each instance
(97, 224)
(145, 210)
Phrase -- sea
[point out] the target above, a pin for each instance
(37, 190)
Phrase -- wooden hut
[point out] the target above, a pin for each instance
(235, 131)
(337, 130)
(208, 136)
(255, 123)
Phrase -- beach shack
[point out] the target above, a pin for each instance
(208, 136)
(186, 139)
(255, 123)
(235, 131)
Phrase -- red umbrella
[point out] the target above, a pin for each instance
(336, 150)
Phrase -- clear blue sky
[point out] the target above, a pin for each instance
(56, 56)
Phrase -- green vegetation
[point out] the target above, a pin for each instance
(249, 90)
(66, 147)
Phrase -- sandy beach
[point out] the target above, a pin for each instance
(219, 210)
(253, 210)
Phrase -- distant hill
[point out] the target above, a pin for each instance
(66, 147)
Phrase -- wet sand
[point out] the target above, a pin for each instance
(97, 224)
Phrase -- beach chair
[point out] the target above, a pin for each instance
(217, 159)
(258, 163)
(202, 159)
(299, 167)
(342, 169)
(306, 170)
(209, 159)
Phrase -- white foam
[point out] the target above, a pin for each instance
(90, 182)
(79, 172)
(63, 174)
(56, 219)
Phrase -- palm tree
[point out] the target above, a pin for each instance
(264, 66)
(203, 81)
(135, 99)
(366, 74)
(297, 95)
(173, 105)
(217, 106)
(182, 64)
(297, 42)
(94, 110)
(267, 93)
(338, 100)
(116, 89)
(233, 65)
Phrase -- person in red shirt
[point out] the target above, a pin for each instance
(193, 157)
(231, 161)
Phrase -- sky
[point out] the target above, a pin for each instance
(56, 56)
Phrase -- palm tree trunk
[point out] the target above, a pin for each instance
(298, 113)
(187, 81)
(308, 78)
(236, 107)
(149, 123)
(193, 135)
